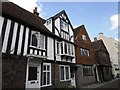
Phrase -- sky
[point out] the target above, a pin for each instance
(96, 16)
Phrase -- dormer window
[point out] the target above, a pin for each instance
(48, 21)
(37, 40)
(84, 38)
(64, 26)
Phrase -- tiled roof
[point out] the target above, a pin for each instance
(12, 10)
(78, 29)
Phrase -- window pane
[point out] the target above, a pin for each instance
(69, 49)
(48, 77)
(67, 72)
(62, 73)
(61, 48)
(34, 40)
(48, 68)
(44, 78)
(57, 47)
(32, 74)
(87, 70)
(41, 41)
(44, 67)
(65, 48)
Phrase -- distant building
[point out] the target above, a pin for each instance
(112, 47)
(103, 68)
(85, 57)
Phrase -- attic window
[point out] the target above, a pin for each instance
(48, 21)
(64, 26)
(84, 38)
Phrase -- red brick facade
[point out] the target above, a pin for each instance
(87, 45)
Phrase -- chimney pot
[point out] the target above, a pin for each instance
(35, 11)
(95, 39)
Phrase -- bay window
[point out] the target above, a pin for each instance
(67, 49)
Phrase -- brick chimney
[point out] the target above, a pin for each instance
(35, 11)
(95, 39)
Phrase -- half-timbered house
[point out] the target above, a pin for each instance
(63, 49)
(36, 53)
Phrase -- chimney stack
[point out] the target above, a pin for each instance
(101, 34)
(35, 11)
(95, 39)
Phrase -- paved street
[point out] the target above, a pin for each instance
(115, 83)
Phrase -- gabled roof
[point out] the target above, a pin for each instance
(78, 30)
(59, 14)
(17, 13)
(97, 45)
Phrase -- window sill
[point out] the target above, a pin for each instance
(37, 48)
(46, 85)
(67, 55)
(65, 80)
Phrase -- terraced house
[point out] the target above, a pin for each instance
(85, 57)
(36, 53)
(103, 70)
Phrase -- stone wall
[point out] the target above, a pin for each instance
(56, 75)
(81, 80)
(13, 71)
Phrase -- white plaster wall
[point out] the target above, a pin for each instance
(58, 56)
(71, 33)
(57, 25)
(50, 48)
(49, 27)
(1, 24)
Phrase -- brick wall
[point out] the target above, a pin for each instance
(87, 45)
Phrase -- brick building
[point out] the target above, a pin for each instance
(85, 57)
(103, 68)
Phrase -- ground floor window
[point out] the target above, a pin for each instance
(46, 75)
(87, 71)
(64, 72)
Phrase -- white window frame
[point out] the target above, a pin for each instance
(64, 25)
(58, 44)
(49, 22)
(38, 40)
(83, 52)
(47, 64)
(72, 52)
(84, 38)
(65, 72)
